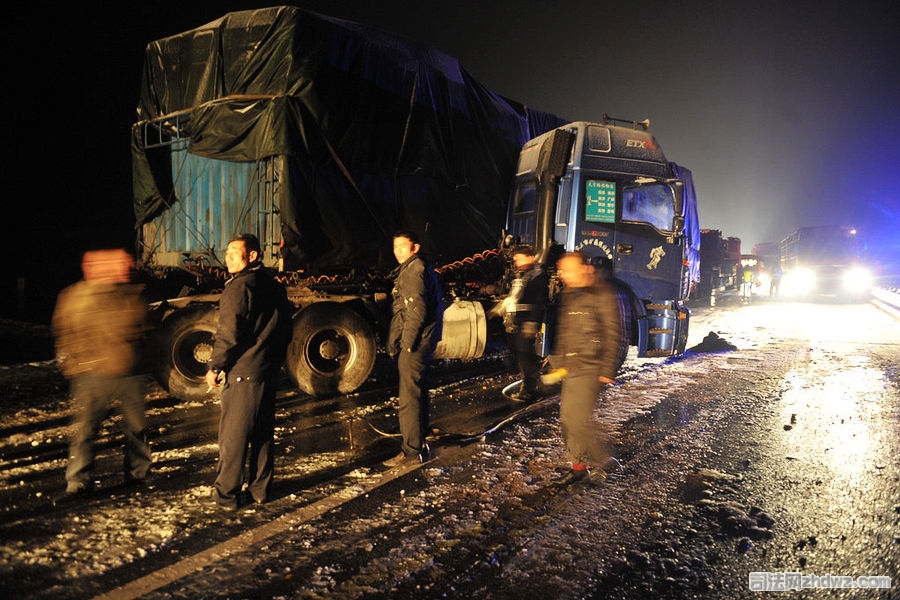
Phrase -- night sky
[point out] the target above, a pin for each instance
(788, 113)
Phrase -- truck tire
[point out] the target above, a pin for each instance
(181, 348)
(332, 350)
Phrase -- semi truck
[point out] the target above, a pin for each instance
(609, 192)
(323, 137)
(824, 262)
(720, 259)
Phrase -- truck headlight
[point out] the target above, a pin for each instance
(798, 282)
(857, 279)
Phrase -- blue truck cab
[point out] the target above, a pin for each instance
(609, 191)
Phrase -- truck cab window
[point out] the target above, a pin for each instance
(524, 201)
(653, 204)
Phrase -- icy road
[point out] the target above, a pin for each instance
(771, 463)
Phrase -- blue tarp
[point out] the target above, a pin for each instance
(691, 222)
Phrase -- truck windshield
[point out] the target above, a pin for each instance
(652, 203)
(837, 250)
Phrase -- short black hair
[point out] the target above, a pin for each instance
(251, 242)
(408, 234)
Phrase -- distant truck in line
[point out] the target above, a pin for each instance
(719, 263)
(824, 262)
(323, 138)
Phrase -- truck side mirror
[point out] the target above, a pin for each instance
(679, 201)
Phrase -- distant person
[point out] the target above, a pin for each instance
(775, 281)
(98, 324)
(250, 346)
(590, 345)
(415, 330)
(525, 308)
(748, 277)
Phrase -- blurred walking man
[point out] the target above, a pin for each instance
(590, 346)
(98, 324)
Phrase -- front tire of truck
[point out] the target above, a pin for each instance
(332, 350)
(181, 348)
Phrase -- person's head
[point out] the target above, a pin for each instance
(110, 266)
(574, 271)
(406, 243)
(523, 257)
(243, 250)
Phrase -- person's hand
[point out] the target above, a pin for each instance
(212, 380)
(553, 377)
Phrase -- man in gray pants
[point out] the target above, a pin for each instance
(590, 346)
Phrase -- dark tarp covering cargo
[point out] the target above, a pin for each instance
(375, 133)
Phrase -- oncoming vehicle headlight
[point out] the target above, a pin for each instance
(857, 279)
(798, 282)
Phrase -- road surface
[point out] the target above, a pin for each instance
(764, 457)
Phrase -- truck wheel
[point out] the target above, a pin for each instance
(181, 348)
(332, 351)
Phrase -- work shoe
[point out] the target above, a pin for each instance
(400, 459)
(225, 505)
(73, 494)
(424, 455)
(569, 477)
(134, 484)
(522, 397)
(572, 476)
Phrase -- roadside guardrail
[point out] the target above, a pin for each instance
(887, 300)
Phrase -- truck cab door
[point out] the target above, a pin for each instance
(647, 251)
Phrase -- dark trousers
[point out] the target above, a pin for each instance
(413, 413)
(529, 363)
(91, 396)
(587, 440)
(246, 435)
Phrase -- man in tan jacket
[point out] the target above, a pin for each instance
(98, 323)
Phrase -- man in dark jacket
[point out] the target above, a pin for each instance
(525, 308)
(590, 346)
(414, 333)
(250, 347)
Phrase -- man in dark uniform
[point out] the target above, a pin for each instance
(525, 308)
(415, 330)
(250, 347)
(590, 346)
